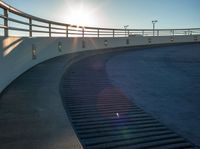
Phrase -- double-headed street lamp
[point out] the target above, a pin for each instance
(154, 22)
(125, 28)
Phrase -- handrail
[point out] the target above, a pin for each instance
(52, 27)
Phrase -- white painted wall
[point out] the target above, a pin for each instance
(16, 52)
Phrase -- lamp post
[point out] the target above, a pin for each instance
(125, 28)
(154, 22)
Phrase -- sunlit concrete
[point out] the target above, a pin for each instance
(18, 54)
(31, 111)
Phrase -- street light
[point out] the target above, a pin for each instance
(125, 28)
(154, 22)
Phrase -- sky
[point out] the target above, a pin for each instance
(137, 14)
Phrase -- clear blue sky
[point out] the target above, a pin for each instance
(116, 13)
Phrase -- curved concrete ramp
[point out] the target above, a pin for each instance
(104, 117)
(165, 82)
(31, 110)
(32, 114)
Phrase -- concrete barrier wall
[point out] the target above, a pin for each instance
(18, 54)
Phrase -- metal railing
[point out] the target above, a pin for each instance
(21, 23)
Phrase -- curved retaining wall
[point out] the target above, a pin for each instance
(18, 54)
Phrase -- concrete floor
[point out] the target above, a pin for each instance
(165, 82)
(32, 115)
(31, 110)
(103, 116)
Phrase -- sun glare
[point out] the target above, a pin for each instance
(81, 16)
(83, 13)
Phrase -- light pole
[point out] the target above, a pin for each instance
(154, 22)
(125, 28)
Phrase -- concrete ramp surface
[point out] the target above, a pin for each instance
(100, 110)
(131, 98)
(165, 82)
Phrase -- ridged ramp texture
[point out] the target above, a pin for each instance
(103, 116)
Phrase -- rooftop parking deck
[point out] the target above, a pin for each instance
(109, 100)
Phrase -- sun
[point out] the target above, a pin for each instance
(81, 16)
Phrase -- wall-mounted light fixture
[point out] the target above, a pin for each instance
(195, 38)
(34, 52)
(60, 46)
(106, 43)
(149, 40)
(171, 39)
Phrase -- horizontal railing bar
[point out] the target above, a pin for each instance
(122, 31)
(21, 22)
(18, 29)
(195, 32)
(17, 21)
(109, 34)
(41, 26)
(63, 29)
(3, 17)
(75, 29)
(94, 31)
(58, 32)
(186, 29)
(3, 26)
(27, 30)
(75, 33)
(37, 31)
(91, 34)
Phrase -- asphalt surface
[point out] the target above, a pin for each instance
(165, 82)
(102, 113)
(127, 95)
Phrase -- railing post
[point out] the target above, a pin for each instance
(143, 33)
(189, 32)
(30, 27)
(83, 35)
(185, 32)
(153, 29)
(173, 32)
(128, 33)
(113, 33)
(157, 32)
(98, 32)
(83, 32)
(49, 29)
(6, 22)
(67, 33)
